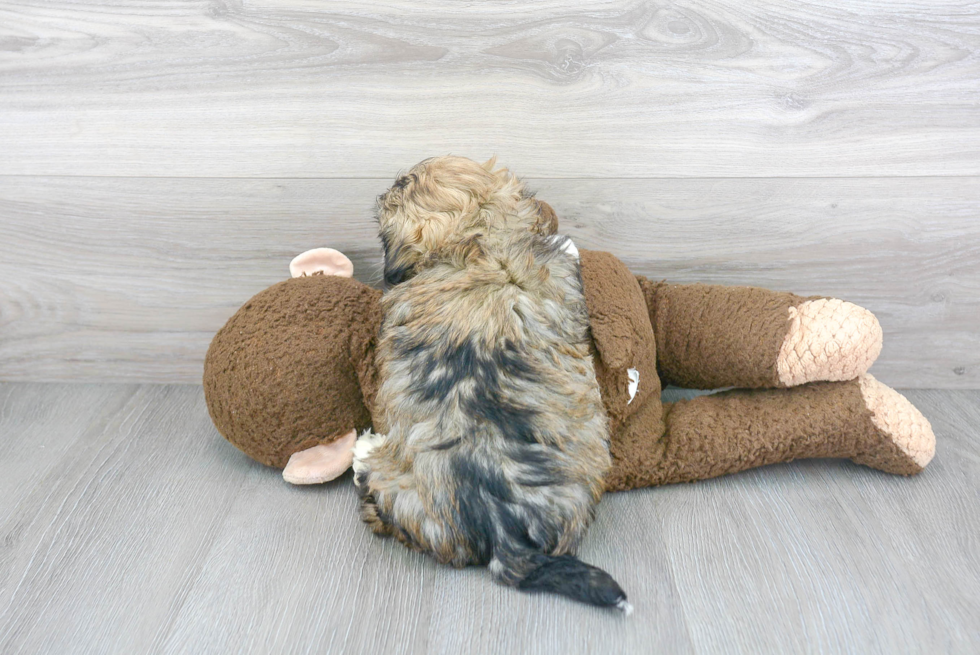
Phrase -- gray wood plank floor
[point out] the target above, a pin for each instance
(128, 525)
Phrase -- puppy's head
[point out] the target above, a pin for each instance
(445, 201)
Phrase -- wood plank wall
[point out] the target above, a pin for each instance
(161, 161)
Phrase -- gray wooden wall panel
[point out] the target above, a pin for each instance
(127, 279)
(809, 138)
(618, 88)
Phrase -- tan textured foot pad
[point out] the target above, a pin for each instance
(828, 340)
(899, 420)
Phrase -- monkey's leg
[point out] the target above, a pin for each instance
(732, 431)
(709, 336)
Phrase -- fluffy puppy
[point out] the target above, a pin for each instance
(492, 441)
(443, 201)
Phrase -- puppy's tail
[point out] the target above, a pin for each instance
(560, 574)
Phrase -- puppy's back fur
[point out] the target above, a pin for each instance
(492, 439)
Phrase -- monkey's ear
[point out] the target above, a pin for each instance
(321, 463)
(322, 261)
(547, 222)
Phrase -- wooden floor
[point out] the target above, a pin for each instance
(127, 525)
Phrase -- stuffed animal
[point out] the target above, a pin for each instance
(290, 379)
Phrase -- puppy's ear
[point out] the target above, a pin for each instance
(490, 164)
(464, 252)
(395, 276)
(547, 221)
(396, 270)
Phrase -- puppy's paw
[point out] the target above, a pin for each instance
(365, 444)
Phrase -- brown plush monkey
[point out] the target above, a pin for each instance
(290, 379)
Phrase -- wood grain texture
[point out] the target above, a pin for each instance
(618, 88)
(825, 556)
(28, 448)
(152, 534)
(127, 279)
(102, 550)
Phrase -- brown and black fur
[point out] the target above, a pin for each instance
(491, 441)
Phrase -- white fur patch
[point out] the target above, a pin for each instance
(634, 376)
(366, 443)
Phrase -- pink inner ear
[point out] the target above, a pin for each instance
(325, 261)
(321, 463)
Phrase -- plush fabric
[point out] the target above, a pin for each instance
(741, 429)
(699, 326)
(622, 335)
(294, 369)
(288, 369)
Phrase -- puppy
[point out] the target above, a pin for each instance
(492, 441)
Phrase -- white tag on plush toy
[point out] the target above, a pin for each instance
(634, 376)
(568, 247)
